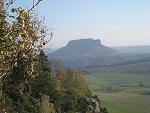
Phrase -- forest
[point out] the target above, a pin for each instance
(29, 82)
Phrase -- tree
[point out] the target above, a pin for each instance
(1, 10)
(42, 83)
(22, 37)
(71, 92)
(25, 75)
(21, 33)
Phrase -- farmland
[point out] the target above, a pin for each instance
(122, 92)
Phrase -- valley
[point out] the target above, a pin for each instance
(120, 76)
(74, 56)
(122, 92)
(90, 52)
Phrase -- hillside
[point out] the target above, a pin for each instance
(133, 66)
(133, 49)
(89, 52)
(84, 47)
(129, 68)
(83, 52)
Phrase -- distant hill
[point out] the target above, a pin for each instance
(90, 52)
(133, 49)
(136, 61)
(135, 66)
(82, 52)
(84, 47)
(48, 50)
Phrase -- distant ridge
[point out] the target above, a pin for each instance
(84, 47)
(83, 52)
(145, 49)
(89, 52)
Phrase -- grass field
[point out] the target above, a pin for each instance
(133, 94)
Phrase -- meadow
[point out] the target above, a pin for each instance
(122, 92)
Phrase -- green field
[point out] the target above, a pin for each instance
(122, 92)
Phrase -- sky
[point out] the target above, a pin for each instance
(115, 22)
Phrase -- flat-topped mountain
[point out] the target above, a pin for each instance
(83, 47)
(84, 43)
(89, 52)
(83, 52)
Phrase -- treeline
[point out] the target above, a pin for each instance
(111, 89)
(29, 83)
(63, 91)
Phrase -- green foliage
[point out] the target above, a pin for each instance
(20, 34)
(67, 92)
(82, 105)
(27, 85)
(17, 82)
(6, 103)
(46, 106)
(27, 105)
(70, 89)
(104, 110)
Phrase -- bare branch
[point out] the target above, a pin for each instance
(34, 5)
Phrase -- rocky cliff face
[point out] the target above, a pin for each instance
(84, 43)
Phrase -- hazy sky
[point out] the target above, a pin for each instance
(115, 22)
